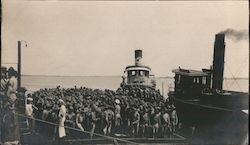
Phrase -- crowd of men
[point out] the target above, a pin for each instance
(9, 132)
(129, 111)
(82, 112)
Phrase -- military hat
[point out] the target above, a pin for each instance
(29, 99)
(117, 101)
(61, 101)
(172, 106)
(3, 69)
(12, 71)
(71, 107)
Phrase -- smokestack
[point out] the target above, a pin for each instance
(138, 57)
(218, 62)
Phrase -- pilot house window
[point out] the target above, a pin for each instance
(141, 73)
(204, 80)
(196, 80)
(178, 79)
(133, 73)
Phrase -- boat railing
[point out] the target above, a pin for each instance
(77, 136)
(73, 131)
(139, 81)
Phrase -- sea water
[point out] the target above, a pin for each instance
(164, 84)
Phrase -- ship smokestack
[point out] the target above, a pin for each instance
(138, 57)
(218, 61)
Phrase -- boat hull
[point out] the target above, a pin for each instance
(203, 112)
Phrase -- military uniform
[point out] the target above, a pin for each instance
(109, 117)
(62, 118)
(145, 122)
(166, 123)
(174, 120)
(135, 123)
(156, 123)
(10, 127)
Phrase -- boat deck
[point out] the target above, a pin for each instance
(40, 140)
(78, 138)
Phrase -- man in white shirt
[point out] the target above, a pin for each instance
(166, 123)
(29, 114)
(12, 85)
(62, 118)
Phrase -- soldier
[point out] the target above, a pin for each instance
(12, 85)
(173, 118)
(70, 117)
(52, 117)
(109, 117)
(79, 119)
(118, 118)
(29, 113)
(4, 85)
(3, 90)
(166, 122)
(45, 111)
(10, 126)
(62, 117)
(145, 122)
(135, 122)
(93, 121)
(156, 122)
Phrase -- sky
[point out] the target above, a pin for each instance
(98, 38)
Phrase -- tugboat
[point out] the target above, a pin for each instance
(138, 74)
(199, 96)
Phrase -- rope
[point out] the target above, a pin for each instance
(242, 65)
(75, 129)
(239, 68)
(234, 78)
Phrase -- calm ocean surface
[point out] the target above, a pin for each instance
(34, 83)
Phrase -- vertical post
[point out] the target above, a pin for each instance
(1, 99)
(19, 64)
(162, 85)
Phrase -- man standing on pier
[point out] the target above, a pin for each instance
(173, 118)
(62, 118)
(12, 85)
(109, 117)
(10, 126)
(135, 123)
(156, 122)
(118, 118)
(29, 113)
(4, 83)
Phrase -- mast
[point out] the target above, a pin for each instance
(162, 85)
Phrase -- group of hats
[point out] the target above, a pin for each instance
(11, 70)
(3, 69)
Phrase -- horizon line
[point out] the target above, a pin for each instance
(85, 75)
(113, 76)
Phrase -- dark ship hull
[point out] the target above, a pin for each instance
(215, 124)
(211, 109)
